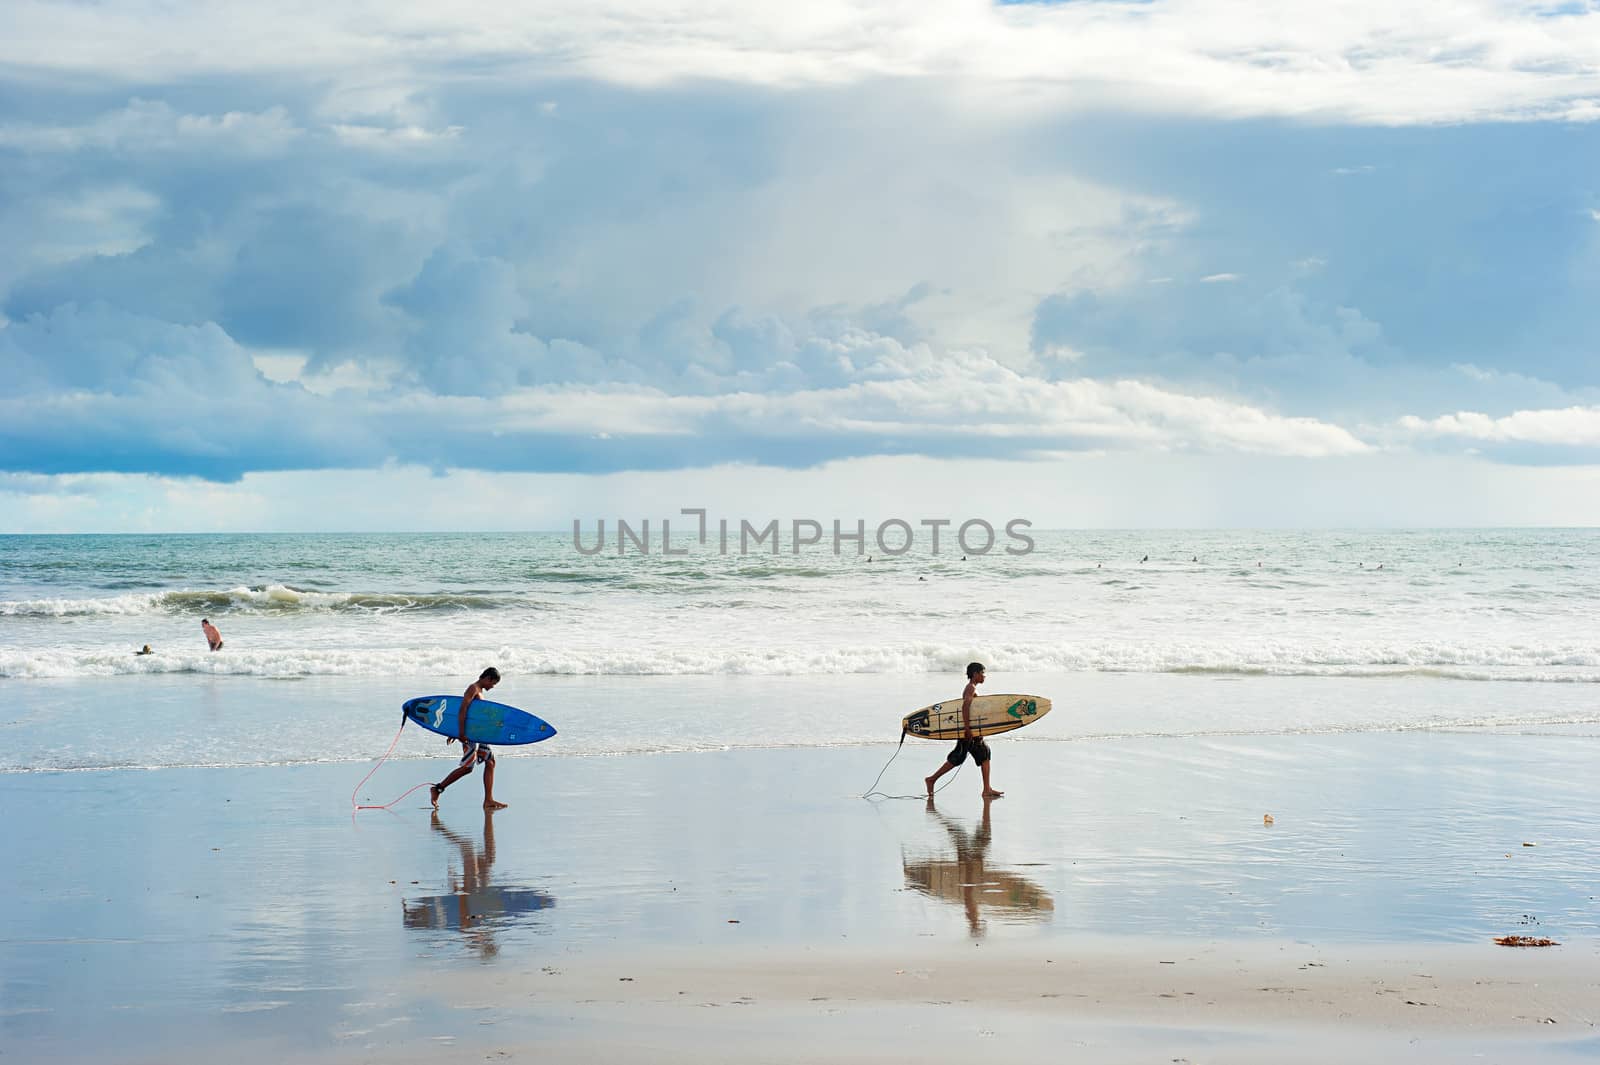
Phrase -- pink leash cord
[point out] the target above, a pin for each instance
(362, 806)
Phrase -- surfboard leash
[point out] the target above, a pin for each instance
(874, 792)
(367, 806)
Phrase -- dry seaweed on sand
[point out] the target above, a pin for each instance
(1525, 941)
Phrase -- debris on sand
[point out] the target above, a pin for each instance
(1525, 941)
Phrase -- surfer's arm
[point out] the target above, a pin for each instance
(966, 713)
(461, 718)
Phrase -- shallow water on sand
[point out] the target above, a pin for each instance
(250, 904)
(189, 721)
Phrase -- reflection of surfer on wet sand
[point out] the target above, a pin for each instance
(474, 904)
(476, 866)
(966, 879)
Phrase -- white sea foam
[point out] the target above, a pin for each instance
(1515, 613)
(1504, 663)
(61, 608)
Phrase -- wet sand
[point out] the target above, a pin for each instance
(1091, 998)
(1124, 902)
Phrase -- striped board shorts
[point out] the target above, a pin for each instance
(477, 752)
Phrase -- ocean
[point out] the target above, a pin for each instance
(325, 634)
(1292, 741)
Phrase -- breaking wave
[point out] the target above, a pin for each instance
(265, 599)
(1579, 665)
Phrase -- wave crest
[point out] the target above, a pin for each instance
(265, 599)
(1521, 664)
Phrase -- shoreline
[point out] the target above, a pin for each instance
(240, 721)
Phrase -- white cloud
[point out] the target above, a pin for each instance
(137, 393)
(1565, 427)
(393, 138)
(971, 395)
(102, 219)
(151, 127)
(1211, 279)
(1345, 59)
(287, 366)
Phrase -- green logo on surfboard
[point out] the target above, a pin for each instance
(1023, 708)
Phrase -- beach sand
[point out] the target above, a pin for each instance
(1124, 902)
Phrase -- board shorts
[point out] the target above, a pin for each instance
(975, 747)
(473, 753)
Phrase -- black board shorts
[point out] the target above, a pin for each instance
(975, 747)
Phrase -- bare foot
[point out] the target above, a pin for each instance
(992, 794)
(434, 791)
(490, 804)
(929, 781)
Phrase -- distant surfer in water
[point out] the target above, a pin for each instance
(145, 651)
(472, 753)
(968, 743)
(213, 637)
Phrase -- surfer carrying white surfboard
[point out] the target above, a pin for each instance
(472, 753)
(968, 743)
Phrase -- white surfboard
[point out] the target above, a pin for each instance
(991, 715)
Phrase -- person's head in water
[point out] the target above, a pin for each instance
(145, 650)
(975, 672)
(488, 678)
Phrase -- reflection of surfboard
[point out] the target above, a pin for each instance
(991, 715)
(950, 879)
(486, 903)
(487, 722)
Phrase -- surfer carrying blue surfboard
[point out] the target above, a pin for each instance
(472, 753)
(968, 743)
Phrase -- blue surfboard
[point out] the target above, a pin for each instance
(487, 722)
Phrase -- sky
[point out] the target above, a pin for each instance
(291, 266)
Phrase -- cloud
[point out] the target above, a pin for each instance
(956, 407)
(154, 127)
(1344, 61)
(393, 138)
(99, 389)
(1577, 427)
(599, 241)
(616, 232)
(94, 388)
(1350, 297)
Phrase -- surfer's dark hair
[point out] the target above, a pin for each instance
(490, 674)
(974, 667)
